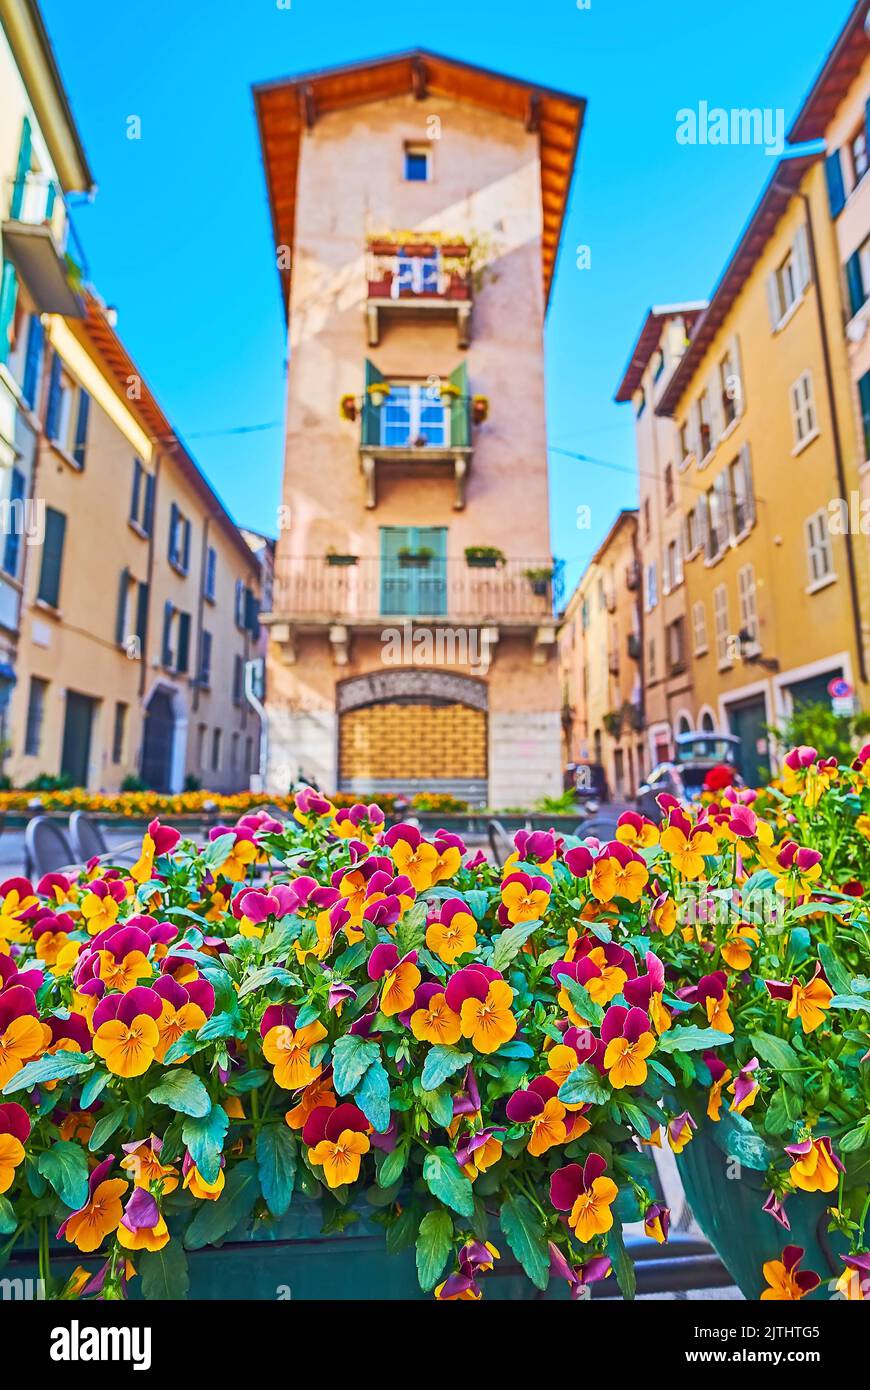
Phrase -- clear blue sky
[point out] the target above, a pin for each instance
(179, 236)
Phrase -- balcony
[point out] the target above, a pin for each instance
(632, 576)
(416, 279)
(419, 427)
(35, 237)
(633, 646)
(341, 595)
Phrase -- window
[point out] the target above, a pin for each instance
(240, 605)
(416, 275)
(693, 539)
(205, 660)
(16, 519)
(706, 424)
(669, 486)
(35, 715)
(641, 404)
(740, 492)
(708, 723)
(746, 592)
(720, 618)
(699, 628)
(179, 540)
(651, 658)
(819, 555)
(647, 521)
(33, 361)
(67, 413)
(685, 444)
(717, 521)
(48, 590)
(857, 270)
(210, 587)
(234, 752)
(658, 365)
(201, 738)
(858, 151)
(118, 730)
(652, 596)
(238, 679)
(788, 282)
(675, 637)
(142, 500)
(803, 409)
(864, 396)
(730, 387)
(418, 163)
(216, 739)
(413, 415)
(182, 655)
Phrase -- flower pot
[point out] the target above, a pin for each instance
(729, 1212)
(458, 288)
(482, 562)
(414, 562)
(340, 560)
(377, 398)
(381, 289)
(540, 587)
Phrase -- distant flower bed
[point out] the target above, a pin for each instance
(139, 805)
(492, 1054)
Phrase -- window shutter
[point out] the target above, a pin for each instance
(185, 555)
(725, 518)
(371, 415)
(695, 429)
(12, 548)
(864, 394)
(747, 483)
(166, 645)
(836, 187)
(460, 409)
(142, 616)
(8, 291)
(867, 121)
(173, 534)
(32, 361)
(702, 523)
(717, 414)
(737, 367)
(774, 304)
(81, 438)
(182, 658)
(252, 614)
(121, 618)
(52, 413)
(802, 257)
(25, 154)
(52, 557)
(149, 503)
(137, 489)
(855, 283)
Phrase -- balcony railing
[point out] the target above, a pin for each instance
(421, 278)
(36, 234)
(319, 590)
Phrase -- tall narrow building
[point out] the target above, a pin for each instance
(417, 206)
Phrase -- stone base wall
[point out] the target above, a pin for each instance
(305, 742)
(525, 757)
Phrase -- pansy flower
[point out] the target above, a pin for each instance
(337, 1139)
(628, 1042)
(22, 1036)
(476, 1153)
(525, 898)
(358, 821)
(450, 849)
(453, 932)
(687, 844)
(185, 1008)
(475, 1257)
(11, 976)
(539, 1107)
(123, 960)
(318, 1092)
(18, 905)
(52, 943)
(198, 1186)
(810, 1002)
(619, 872)
(157, 840)
(711, 992)
(242, 853)
(645, 992)
(400, 977)
(680, 1131)
(126, 1035)
(143, 1163)
(663, 915)
(432, 1020)
(14, 1133)
(101, 1214)
(720, 1075)
(816, 1168)
(786, 1282)
(412, 855)
(799, 870)
(580, 1276)
(744, 1087)
(309, 807)
(635, 830)
(483, 1001)
(579, 861)
(288, 1048)
(854, 1282)
(586, 1195)
(57, 887)
(142, 1226)
(100, 905)
(657, 1222)
(533, 847)
(577, 1046)
(739, 944)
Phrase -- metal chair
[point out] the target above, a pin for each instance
(86, 834)
(46, 847)
(499, 841)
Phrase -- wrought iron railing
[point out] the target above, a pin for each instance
(354, 588)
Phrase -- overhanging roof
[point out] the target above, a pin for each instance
(287, 107)
(100, 333)
(837, 74)
(648, 340)
(764, 218)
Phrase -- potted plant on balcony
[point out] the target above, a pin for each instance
(483, 557)
(449, 393)
(479, 409)
(348, 407)
(333, 557)
(378, 392)
(540, 580)
(415, 559)
(612, 722)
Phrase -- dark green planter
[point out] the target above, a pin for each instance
(729, 1212)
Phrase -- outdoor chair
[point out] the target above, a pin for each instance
(46, 847)
(86, 834)
(499, 841)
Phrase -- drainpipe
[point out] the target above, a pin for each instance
(835, 427)
(259, 709)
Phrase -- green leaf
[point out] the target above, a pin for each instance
(623, 1266)
(93, 1087)
(838, 978)
(510, 943)
(781, 1056)
(224, 1025)
(441, 1062)
(411, 929)
(265, 976)
(446, 1181)
(351, 1058)
(526, 1234)
(276, 1165)
(583, 1086)
(393, 1166)
(662, 1071)
(65, 1165)
(165, 1275)
(582, 1000)
(214, 1220)
(372, 1095)
(105, 1128)
(438, 1104)
(182, 1091)
(688, 1038)
(216, 852)
(204, 1137)
(8, 1219)
(736, 1137)
(434, 1243)
(56, 1067)
(636, 1118)
(850, 1001)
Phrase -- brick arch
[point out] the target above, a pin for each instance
(410, 683)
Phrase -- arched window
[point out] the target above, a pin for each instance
(708, 723)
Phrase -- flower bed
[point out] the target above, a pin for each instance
(145, 805)
(477, 1062)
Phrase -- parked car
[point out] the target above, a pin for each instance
(695, 755)
(588, 781)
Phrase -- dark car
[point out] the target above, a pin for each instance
(588, 781)
(695, 755)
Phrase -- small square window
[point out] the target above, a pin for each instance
(417, 163)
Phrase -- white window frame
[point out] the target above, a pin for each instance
(418, 274)
(699, 628)
(820, 556)
(720, 620)
(651, 588)
(419, 397)
(417, 147)
(803, 411)
(747, 591)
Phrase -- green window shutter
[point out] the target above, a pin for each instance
(25, 155)
(864, 393)
(149, 503)
(431, 597)
(855, 283)
(81, 438)
(396, 596)
(174, 555)
(52, 557)
(121, 617)
(8, 292)
(137, 486)
(142, 617)
(32, 361)
(182, 658)
(371, 414)
(460, 409)
(12, 548)
(166, 644)
(836, 187)
(52, 411)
